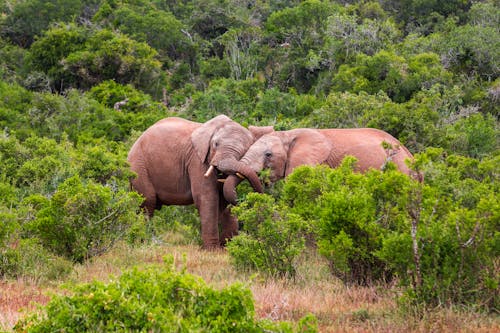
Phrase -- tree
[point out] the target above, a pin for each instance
(295, 37)
(397, 77)
(346, 37)
(28, 19)
(424, 14)
(144, 22)
(77, 57)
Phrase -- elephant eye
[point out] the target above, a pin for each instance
(268, 154)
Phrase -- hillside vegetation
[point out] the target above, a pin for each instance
(80, 80)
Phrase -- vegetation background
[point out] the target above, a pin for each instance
(80, 80)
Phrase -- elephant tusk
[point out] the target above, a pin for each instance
(209, 171)
(221, 180)
(240, 175)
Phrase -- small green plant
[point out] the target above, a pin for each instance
(84, 219)
(158, 299)
(271, 239)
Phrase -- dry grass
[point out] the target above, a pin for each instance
(17, 296)
(339, 308)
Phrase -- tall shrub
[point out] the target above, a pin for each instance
(440, 238)
(84, 219)
(271, 237)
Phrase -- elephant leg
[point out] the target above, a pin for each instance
(229, 226)
(206, 201)
(146, 189)
(209, 226)
(149, 206)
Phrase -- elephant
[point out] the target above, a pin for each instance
(283, 151)
(176, 161)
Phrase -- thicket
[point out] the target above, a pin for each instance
(80, 80)
(158, 299)
(440, 239)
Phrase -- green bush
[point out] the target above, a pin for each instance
(440, 238)
(104, 162)
(84, 219)
(180, 223)
(236, 99)
(476, 136)
(398, 77)
(271, 238)
(29, 259)
(456, 219)
(81, 57)
(351, 215)
(109, 93)
(155, 300)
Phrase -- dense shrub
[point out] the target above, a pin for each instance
(272, 237)
(347, 36)
(29, 259)
(148, 23)
(87, 57)
(351, 214)
(235, 99)
(155, 300)
(398, 77)
(84, 219)
(440, 238)
(180, 223)
(28, 19)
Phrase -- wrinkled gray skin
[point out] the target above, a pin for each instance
(283, 151)
(172, 160)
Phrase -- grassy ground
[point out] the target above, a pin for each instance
(339, 308)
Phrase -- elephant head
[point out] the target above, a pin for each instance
(281, 152)
(221, 142)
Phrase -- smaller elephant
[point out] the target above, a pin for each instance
(283, 151)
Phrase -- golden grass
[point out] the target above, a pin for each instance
(339, 308)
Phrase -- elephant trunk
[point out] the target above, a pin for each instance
(230, 188)
(233, 167)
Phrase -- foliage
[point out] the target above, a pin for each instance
(440, 238)
(155, 299)
(233, 98)
(82, 220)
(76, 57)
(272, 237)
(79, 116)
(476, 136)
(28, 258)
(299, 34)
(347, 37)
(28, 19)
(387, 72)
(146, 23)
(351, 214)
(456, 216)
(422, 15)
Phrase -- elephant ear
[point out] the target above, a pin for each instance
(306, 147)
(258, 131)
(201, 137)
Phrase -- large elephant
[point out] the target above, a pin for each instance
(175, 161)
(283, 151)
